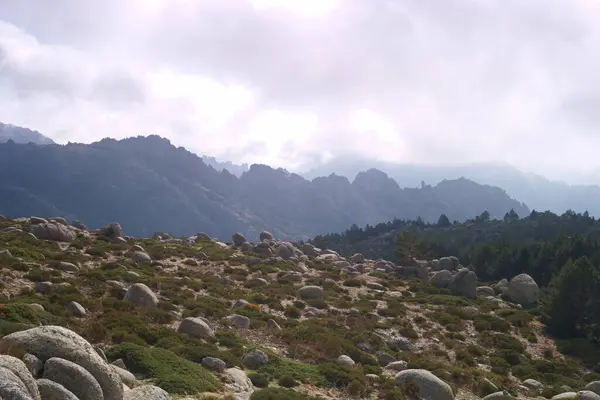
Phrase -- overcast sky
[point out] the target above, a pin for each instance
(294, 82)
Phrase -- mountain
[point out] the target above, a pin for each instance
(22, 135)
(148, 184)
(235, 169)
(537, 192)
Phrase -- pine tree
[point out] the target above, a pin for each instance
(443, 221)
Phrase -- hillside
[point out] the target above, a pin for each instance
(536, 191)
(151, 185)
(22, 135)
(270, 320)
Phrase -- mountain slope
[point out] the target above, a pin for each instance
(534, 190)
(22, 135)
(150, 185)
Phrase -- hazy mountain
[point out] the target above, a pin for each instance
(534, 190)
(22, 135)
(235, 169)
(147, 185)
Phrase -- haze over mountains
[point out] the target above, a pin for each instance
(148, 185)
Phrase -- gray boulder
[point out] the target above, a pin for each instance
(587, 395)
(292, 277)
(46, 342)
(11, 387)
(65, 266)
(446, 263)
(19, 368)
(310, 292)
(485, 291)
(238, 239)
(345, 361)
(384, 359)
(429, 386)
(141, 257)
(503, 395)
(127, 377)
(357, 258)
(441, 279)
(523, 290)
(239, 321)
(593, 386)
(214, 364)
(239, 383)
(464, 283)
(74, 378)
(141, 294)
(76, 309)
(112, 230)
(53, 231)
(397, 365)
(285, 250)
(146, 392)
(50, 390)
(565, 396)
(254, 359)
(264, 235)
(195, 327)
(34, 365)
(400, 343)
(486, 387)
(79, 225)
(501, 286)
(43, 287)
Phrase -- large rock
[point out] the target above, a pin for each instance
(239, 321)
(485, 291)
(345, 361)
(310, 292)
(464, 283)
(214, 364)
(76, 309)
(34, 365)
(523, 290)
(499, 396)
(357, 258)
(427, 385)
(565, 396)
(112, 230)
(446, 263)
(593, 386)
(264, 235)
(51, 390)
(53, 231)
(141, 257)
(441, 279)
(74, 378)
(146, 392)
(19, 368)
(285, 250)
(238, 239)
(254, 359)
(195, 327)
(11, 387)
(127, 377)
(587, 395)
(239, 383)
(46, 342)
(141, 294)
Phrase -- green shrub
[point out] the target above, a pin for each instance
(280, 394)
(258, 379)
(292, 312)
(353, 282)
(287, 381)
(170, 372)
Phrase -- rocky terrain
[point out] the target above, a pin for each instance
(101, 315)
(150, 186)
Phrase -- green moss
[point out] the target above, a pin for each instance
(174, 374)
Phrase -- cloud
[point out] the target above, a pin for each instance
(292, 82)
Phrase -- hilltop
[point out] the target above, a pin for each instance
(150, 185)
(22, 135)
(169, 317)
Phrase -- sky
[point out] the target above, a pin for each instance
(292, 83)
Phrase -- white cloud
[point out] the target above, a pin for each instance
(293, 82)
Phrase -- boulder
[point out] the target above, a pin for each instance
(427, 385)
(384, 359)
(37, 220)
(565, 396)
(127, 377)
(292, 277)
(74, 378)
(238, 239)
(464, 283)
(50, 390)
(214, 364)
(258, 282)
(43, 287)
(501, 286)
(146, 392)
(141, 257)
(376, 286)
(311, 292)
(522, 289)
(441, 279)
(264, 235)
(112, 230)
(76, 309)
(195, 327)
(397, 365)
(486, 387)
(19, 368)
(400, 343)
(593, 386)
(239, 383)
(502, 395)
(79, 225)
(446, 263)
(357, 258)
(273, 325)
(587, 395)
(285, 250)
(34, 365)
(239, 321)
(254, 359)
(53, 231)
(345, 361)
(485, 291)
(141, 294)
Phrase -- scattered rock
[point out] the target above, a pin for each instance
(141, 257)
(464, 283)
(565, 396)
(112, 230)
(50, 390)
(400, 343)
(311, 292)
(195, 327)
(214, 364)
(146, 392)
(53, 231)
(239, 303)
(485, 291)
(38, 308)
(441, 279)
(131, 276)
(501, 286)
(76, 309)
(264, 235)
(429, 386)
(258, 282)
(238, 239)
(239, 321)
(384, 359)
(503, 395)
(397, 365)
(345, 361)
(522, 289)
(292, 277)
(74, 378)
(79, 225)
(43, 287)
(376, 286)
(255, 359)
(587, 395)
(446, 263)
(37, 220)
(141, 294)
(357, 258)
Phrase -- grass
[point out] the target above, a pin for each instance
(166, 369)
(280, 393)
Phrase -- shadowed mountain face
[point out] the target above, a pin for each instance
(534, 190)
(149, 185)
(22, 135)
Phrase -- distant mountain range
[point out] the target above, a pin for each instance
(22, 135)
(534, 190)
(147, 184)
